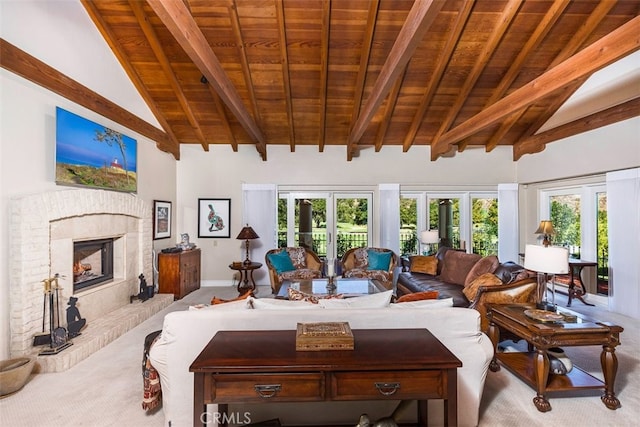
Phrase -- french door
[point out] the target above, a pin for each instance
(329, 223)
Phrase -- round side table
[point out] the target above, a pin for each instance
(246, 276)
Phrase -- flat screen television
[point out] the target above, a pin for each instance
(91, 155)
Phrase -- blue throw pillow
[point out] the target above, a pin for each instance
(378, 260)
(281, 262)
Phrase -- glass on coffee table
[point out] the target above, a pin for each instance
(348, 287)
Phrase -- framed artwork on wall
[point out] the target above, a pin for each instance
(161, 219)
(214, 218)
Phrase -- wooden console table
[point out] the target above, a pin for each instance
(398, 364)
(533, 367)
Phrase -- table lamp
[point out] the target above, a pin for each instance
(429, 237)
(546, 261)
(247, 234)
(546, 229)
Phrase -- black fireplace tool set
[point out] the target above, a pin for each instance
(57, 338)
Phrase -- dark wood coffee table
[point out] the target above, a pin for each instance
(398, 364)
(533, 366)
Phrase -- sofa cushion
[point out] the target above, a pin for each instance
(418, 296)
(360, 258)
(281, 261)
(419, 282)
(487, 279)
(425, 303)
(457, 266)
(424, 264)
(298, 256)
(487, 264)
(279, 304)
(378, 260)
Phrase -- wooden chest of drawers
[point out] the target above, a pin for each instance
(179, 273)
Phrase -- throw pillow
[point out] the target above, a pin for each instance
(240, 304)
(296, 295)
(298, 257)
(424, 264)
(418, 296)
(281, 261)
(487, 279)
(487, 264)
(457, 265)
(379, 300)
(378, 260)
(215, 300)
(425, 303)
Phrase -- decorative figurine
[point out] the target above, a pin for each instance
(75, 322)
(184, 244)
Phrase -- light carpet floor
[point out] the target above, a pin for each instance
(106, 388)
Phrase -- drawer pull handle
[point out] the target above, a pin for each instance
(387, 389)
(267, 391)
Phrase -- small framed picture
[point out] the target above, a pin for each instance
(214, 218)
(161, 219)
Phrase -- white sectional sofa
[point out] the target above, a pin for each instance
(185, 334)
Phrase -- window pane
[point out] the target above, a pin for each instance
(352, 216)
(602, 245)
(484, 231)
(409, 226)
(311, 224)
(444, 216)
(565, 216)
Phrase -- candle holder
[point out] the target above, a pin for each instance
(331, 275)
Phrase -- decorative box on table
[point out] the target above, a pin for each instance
(324, 336)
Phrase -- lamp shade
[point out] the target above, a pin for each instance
(429, 237)
(545, 227)
(247, 233)
(549, 259)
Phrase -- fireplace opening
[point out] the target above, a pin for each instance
(92, 263)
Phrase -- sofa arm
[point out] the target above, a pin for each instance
(517, 292)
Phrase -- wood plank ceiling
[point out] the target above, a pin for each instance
(366, 73)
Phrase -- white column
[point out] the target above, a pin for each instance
(260, 211)
(390, 216)
(508, 222)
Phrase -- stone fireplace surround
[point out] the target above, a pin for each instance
(42, 231)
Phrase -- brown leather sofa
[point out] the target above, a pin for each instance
(486, 280)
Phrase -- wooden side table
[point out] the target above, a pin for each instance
(575, 270)
(246, 275)
(532, 367)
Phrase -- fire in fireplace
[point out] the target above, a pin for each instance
(92, 263)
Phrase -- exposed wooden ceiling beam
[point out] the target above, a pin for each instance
(572, 47)
(176, 17)
(438, 147)
(388, 112)
(420, 18)
(135, 78)
(537, 143)
(543, 28)
(284, 60)
(158, 51)
(615, 45)
(246, 70)
(324, 72)
(223, 115)
(36, 71)
(365, 53)
(436, 76)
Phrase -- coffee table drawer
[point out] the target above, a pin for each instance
(389, 384)
(267, 387)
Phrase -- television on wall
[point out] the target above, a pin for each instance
(92, 155)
